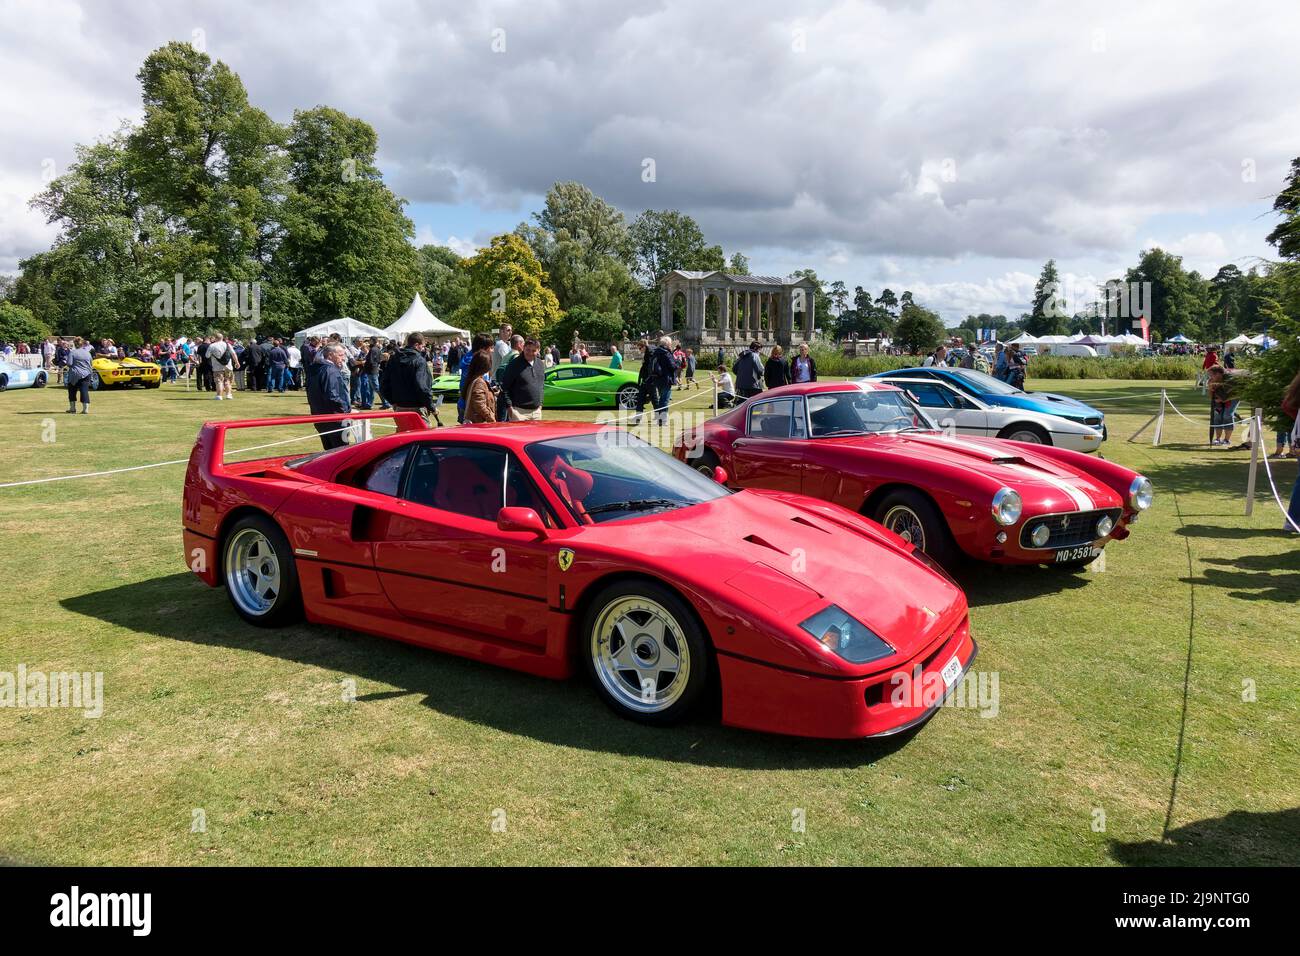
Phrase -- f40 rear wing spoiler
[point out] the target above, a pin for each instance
(210, 447)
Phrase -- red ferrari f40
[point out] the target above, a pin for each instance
(554, 547)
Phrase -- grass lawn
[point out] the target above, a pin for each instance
(1121, 693)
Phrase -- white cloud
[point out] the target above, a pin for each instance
(925, 133)
(462, 247)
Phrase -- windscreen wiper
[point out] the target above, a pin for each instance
(636, 504)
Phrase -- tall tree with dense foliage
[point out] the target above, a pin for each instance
(582, 242)
(112, 247)
(919, 330)
(444, 285)
(1174, 304)
(346, 247)
(663, 240)
(1272, 370)
(506, 283)
(210, 161)
(1047, 314)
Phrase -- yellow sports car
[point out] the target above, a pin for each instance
(111, 373)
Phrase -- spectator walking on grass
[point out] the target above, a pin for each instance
(77, 376)
(221, 358)
(663, 373)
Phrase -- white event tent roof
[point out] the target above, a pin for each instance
(347, 328)
(418, 318)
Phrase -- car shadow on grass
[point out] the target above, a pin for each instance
(990, 584)
(1241, 838)
(567, 713)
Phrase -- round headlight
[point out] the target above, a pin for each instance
(1006, 506)
(1038, 537)
(1140, 493)
(1104, 526)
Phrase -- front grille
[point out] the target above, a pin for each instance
(1067, 530)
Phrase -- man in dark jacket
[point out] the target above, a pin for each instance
(749, 372)
(522, 381)
(327, 395)
(405, 382)
(662, 375)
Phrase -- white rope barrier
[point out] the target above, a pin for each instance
(181, 461)
(1268, 471)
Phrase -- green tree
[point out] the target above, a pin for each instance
(1048, 313)
(1286, 234)
(1228, 292)
(210, 161)
(664, 240)
(919, 330)
(346, 245)
(1174, 303)
(739, 265)
(506, 283)
(888, 301)
(444, 284)
(588, 325)
(17, 324)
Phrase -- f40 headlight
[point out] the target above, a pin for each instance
(1007, 506)
(1140, 493)
(839, 631)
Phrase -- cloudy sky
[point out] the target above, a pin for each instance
(948, 147)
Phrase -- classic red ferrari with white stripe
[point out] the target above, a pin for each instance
(868, 447)
(548, 547)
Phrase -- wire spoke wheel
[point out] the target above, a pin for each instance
(252, 572)
(905, 523)
(641, 655)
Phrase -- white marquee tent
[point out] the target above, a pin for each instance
(1242, 339)
(418, 318)
(347, 328)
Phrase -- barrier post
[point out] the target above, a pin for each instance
(715, 398)
(1255, 424)
(1151, 420)
(1160, 419)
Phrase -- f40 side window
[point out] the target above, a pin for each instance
(383, 476)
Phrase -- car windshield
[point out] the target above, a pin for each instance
(982, 383)
(860, 412)
(612, 474)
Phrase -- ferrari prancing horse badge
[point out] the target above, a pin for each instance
(565, 558)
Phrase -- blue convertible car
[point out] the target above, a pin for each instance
(992, 391)
(11, 376)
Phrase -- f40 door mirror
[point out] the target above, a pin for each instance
(521, 519)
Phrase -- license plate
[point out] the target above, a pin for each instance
(951, 671)
(1077, 554)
